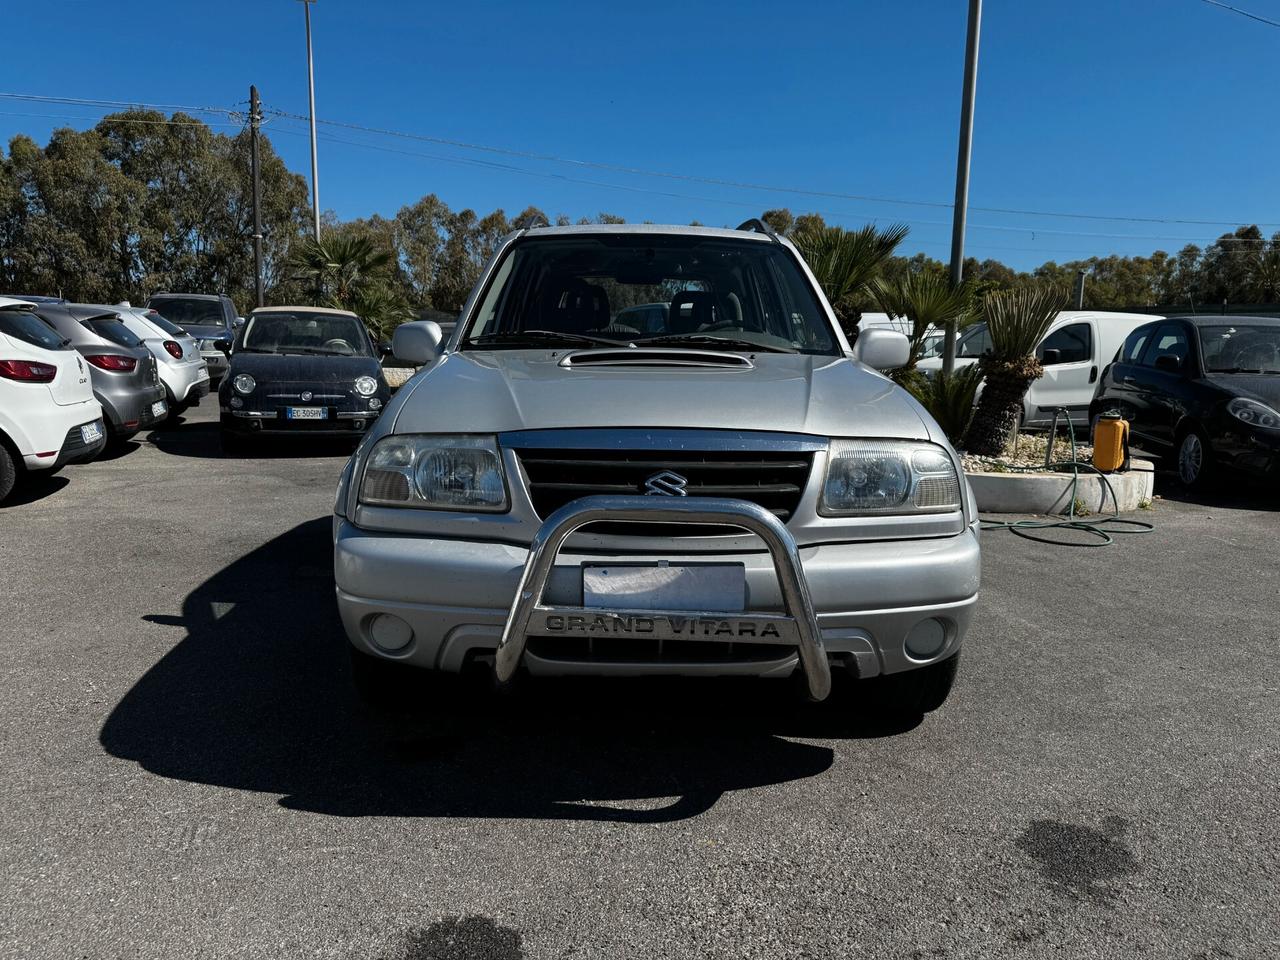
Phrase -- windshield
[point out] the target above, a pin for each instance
(191, 313)
(305, 332)
(681, 291)
(975, 342)
(158, 320)
(26, 326)
(109, 328)
(1241, 348)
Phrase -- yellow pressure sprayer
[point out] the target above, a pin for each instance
(1111, 443)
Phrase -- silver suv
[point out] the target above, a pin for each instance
(560, 491)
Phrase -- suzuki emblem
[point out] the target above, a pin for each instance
(306, 394)
(666, 484)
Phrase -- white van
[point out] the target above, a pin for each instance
(1074, 351)
(48, 416)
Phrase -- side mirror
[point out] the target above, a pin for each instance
(384, 348)
(882, 349)
(1168, 363)
(237, 323)
(417, 342)
(223, 345)
(1051, 357)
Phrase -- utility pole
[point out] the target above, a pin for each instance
(1078, 299)
(311, 93)
(961, 208)
(255, 121)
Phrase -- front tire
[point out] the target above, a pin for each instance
(1195, 461)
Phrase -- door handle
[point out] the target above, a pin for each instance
(1093, 374)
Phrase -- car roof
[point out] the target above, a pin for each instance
(1217, 320)
(305, 309)
(185, 296)
(13, 303)
(651, 229)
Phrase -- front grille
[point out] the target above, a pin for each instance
(773, 479)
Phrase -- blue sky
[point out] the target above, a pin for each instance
(1118, 108)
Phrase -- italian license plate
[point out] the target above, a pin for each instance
(712, 587)
(91, 432)
(158, 408)
(305, 413)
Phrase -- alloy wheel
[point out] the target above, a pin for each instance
(1190, 459)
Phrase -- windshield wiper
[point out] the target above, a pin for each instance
(706, 340)
(1244, 370)
(255, 350)
(539, 337)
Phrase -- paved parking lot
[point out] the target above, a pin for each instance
(185, 774)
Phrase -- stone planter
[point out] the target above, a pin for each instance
(1050, 493)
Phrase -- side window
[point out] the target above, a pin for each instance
(1133, 346)
(1169, 340)
(976, 344)
(1073, 343)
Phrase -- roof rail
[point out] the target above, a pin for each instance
(756, 225)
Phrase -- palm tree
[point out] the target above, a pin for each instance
(845, 262)
(949, 399)
(926, 300)
(337, 266)
(1017, 321)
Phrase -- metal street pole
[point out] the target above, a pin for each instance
(962, 171)
(311, 93)
(255, 120)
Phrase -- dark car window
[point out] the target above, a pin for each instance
(305, 332)
(1074, 344)
(26, 326)
(1170, 340)
(113, 330)
(975, 342)
(159, 320)
(189, 312)
(739, 291)
(1134, 344)
(1241, 348)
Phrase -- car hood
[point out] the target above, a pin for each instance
(500, 391)
(1265, 387)
(202, 332)
(303, 368)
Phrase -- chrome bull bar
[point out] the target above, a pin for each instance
(798, 627)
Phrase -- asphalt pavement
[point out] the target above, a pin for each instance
(185, 773)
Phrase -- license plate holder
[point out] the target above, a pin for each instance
(91, 432)
(159, 409)
(306, 413)
(711, 587)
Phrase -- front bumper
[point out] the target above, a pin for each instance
(259, 420)
(217, 362)
(456, 597)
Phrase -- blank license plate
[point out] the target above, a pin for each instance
(305, 413)
(712, 587)
(91, 432)
(158, 408)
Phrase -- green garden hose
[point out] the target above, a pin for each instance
(1096, 527)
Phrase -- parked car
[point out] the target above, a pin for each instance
(209, 317)
(1205, 390)
(48, 416)
(740, 493)
(184, 373)
(644, 317)
(1078, 345)
(301, 370)
(125, 379)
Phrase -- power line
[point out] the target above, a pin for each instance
(121, 104)
(1243, 13)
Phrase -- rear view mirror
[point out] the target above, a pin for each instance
(1168, 363)
(1051, 357)
(417, 342)
(882, 349)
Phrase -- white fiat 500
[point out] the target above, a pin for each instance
(727, 488)
(48, 416)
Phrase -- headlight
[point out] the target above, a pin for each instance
(366, 386)
(436, 473)
(244, 383)
(1254, 413)
(888, 476)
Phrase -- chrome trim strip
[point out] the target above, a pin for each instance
(672, 441)
(529, 614)
(314, 396)
(637, 356)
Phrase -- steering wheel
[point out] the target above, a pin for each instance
(339, 346)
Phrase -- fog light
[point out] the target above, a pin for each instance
(237, 402)
(390, 633)
(375, 404)
(926, 639)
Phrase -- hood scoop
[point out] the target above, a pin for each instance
(655, 357)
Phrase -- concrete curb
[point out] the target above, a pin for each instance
(1050, 493)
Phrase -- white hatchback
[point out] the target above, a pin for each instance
(48, 416)
(184, 373)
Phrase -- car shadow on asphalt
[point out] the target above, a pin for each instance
(1234, 492)
(34, 488)
(200, 439)
(257, 697)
